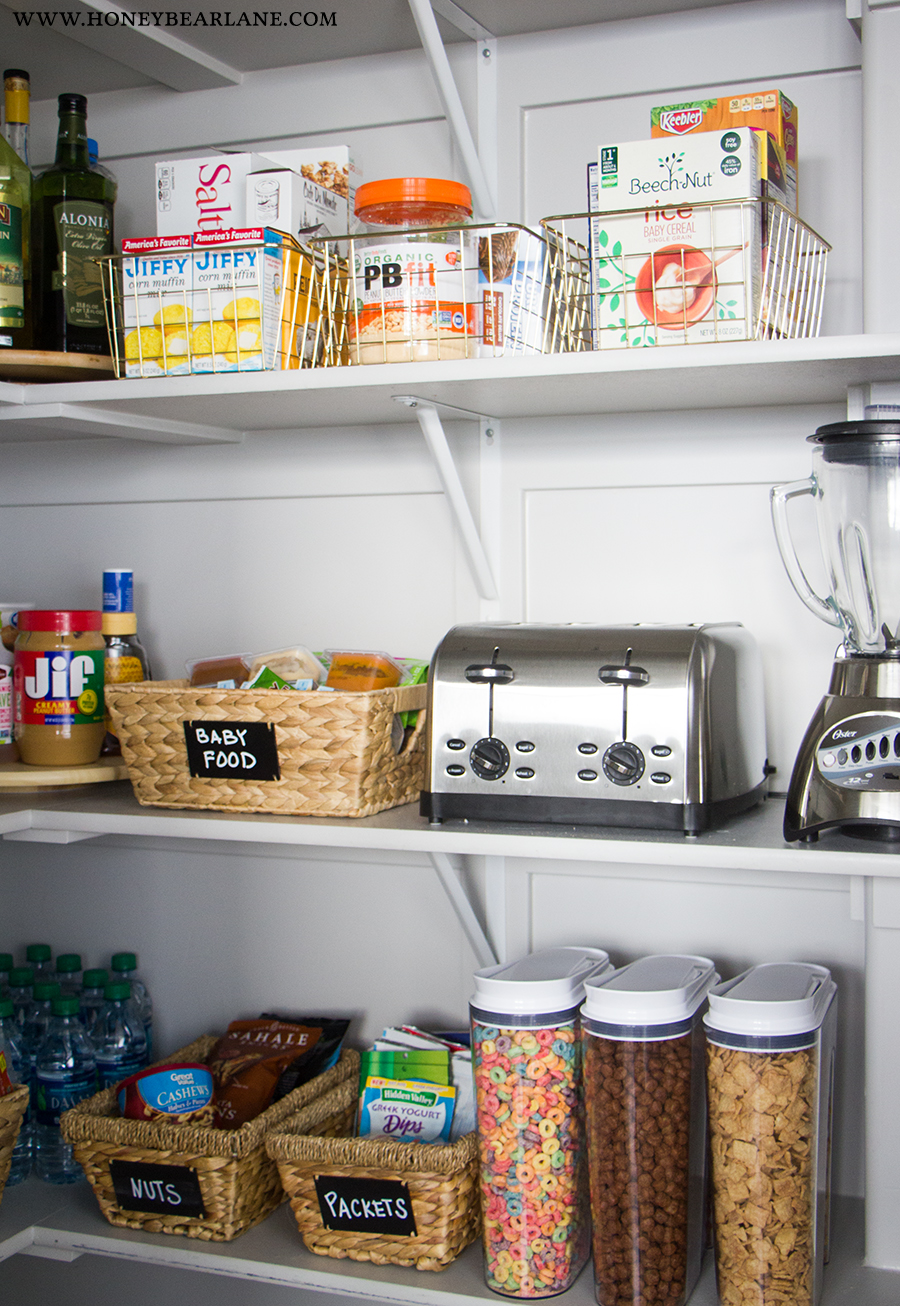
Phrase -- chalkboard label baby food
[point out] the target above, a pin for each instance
(365, 1205)
(164, 1189)
(239, 750)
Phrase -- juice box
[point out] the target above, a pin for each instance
(769, 111)
(156, 305)
(676, 250)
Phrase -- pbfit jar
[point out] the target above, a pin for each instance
(526, 1049)
(770, 1066)
(58, 688)
(645, 1101)
(414, 274)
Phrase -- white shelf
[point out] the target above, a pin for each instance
(742, 374)
(752, 841)
(63, 1223)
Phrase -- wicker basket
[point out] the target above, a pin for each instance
(442, 1183)
(335, 750)
(12, 1110)
(238, 1183)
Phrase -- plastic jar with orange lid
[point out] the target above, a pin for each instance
(58, 687)
(414, 289)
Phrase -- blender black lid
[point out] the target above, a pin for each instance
(870, 431)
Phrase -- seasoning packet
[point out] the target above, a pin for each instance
(407, 1110)
(257, 1062)
(406, 1063)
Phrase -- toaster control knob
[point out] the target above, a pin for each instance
(623, 763)
(489, 759)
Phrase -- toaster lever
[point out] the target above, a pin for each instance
(622, 675)
(490, 673)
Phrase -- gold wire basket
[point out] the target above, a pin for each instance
(730, 270)
(246, 305)
(450, 292)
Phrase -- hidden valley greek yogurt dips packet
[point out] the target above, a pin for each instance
(408, 1110)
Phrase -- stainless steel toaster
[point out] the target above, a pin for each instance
(657, 727)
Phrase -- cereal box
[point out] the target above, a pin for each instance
(156, 305)
(769, 111)
(676, 248)
(513, 291)
(326, 195)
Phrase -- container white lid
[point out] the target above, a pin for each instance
(779, 997)
(548, 981)
(658, 990)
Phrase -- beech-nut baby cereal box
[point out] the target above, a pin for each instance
(768, 111)
(676, 245)
(156, 305)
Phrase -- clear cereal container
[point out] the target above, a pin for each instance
(645, 1103)
(526, 1051)
(770, 1069)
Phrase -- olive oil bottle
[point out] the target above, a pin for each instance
(72, 226)
(15, 203)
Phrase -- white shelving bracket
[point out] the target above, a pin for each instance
(81, 421)
(468, 919)
(483, 194)
(436, 440)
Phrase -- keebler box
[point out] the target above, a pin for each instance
(769, 111)
(676, 246)
(156, 305)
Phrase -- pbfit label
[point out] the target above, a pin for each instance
(53, 1096)
(82, 234)
(58, 688)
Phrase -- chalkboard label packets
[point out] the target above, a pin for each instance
(161, 1189)
(381, 1206)
(234, 750)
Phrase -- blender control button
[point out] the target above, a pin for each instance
(661, 750)
(456, 770)
(660, 777)
(843, 757)
(456, 744)
(587, 775)
(856, 753)
(524, 746)
(524, 772)
(897, 745)
(870, 751)
(829, 759)
(587, 748)
(885, 746)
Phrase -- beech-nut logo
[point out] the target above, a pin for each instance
(678, 122)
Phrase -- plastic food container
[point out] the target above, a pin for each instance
(645, 1102)
(526, 1046)
(770, 1069)
(362, 671)
(414, 290)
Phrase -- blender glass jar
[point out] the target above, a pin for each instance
(526, 1051)
(770, 1072)
(645, 1104)
(414, 274)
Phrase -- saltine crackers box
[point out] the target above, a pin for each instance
(156, 305)
(676, 245)
(204, 194)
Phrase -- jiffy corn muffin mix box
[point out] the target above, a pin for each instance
(157, 281)
(238, 286)
(676, 250)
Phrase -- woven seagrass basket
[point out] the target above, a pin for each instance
(442, 1182)
(12, 1111)
(238, 1183)
(336, 753)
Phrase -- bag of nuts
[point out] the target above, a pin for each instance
(646, 1127)
(770, 1065)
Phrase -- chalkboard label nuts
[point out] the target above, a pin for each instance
(160, 1189)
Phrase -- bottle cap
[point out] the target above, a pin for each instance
(117, 991)
(6, 961)
(6, 1007)
(119, 623)
(44, 992)
(65, 1005)
(68, 962)
(38, 952)
(16, 86)
(60, 622)
(118, 589)
(71, 103)
(124, 961)
(427, 191)
(21, 977)
(94, 979)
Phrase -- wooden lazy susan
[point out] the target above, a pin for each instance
(17, 776)
(37, 365)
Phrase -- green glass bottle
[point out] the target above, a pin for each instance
(15, 200)
(72, 225)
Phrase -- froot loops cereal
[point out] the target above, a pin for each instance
(533, 1172)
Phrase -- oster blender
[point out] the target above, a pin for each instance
(847, 771)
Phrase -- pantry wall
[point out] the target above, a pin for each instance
(341, 536)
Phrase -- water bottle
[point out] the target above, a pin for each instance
(66, 1074)
(120, 1044)
(21, 981)
(124, 965)
(20, 1165)
(92, 999)
(6, 965)
(40, 958)
(68, 972)
(34, 1025)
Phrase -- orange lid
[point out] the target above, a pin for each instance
(413, 190)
